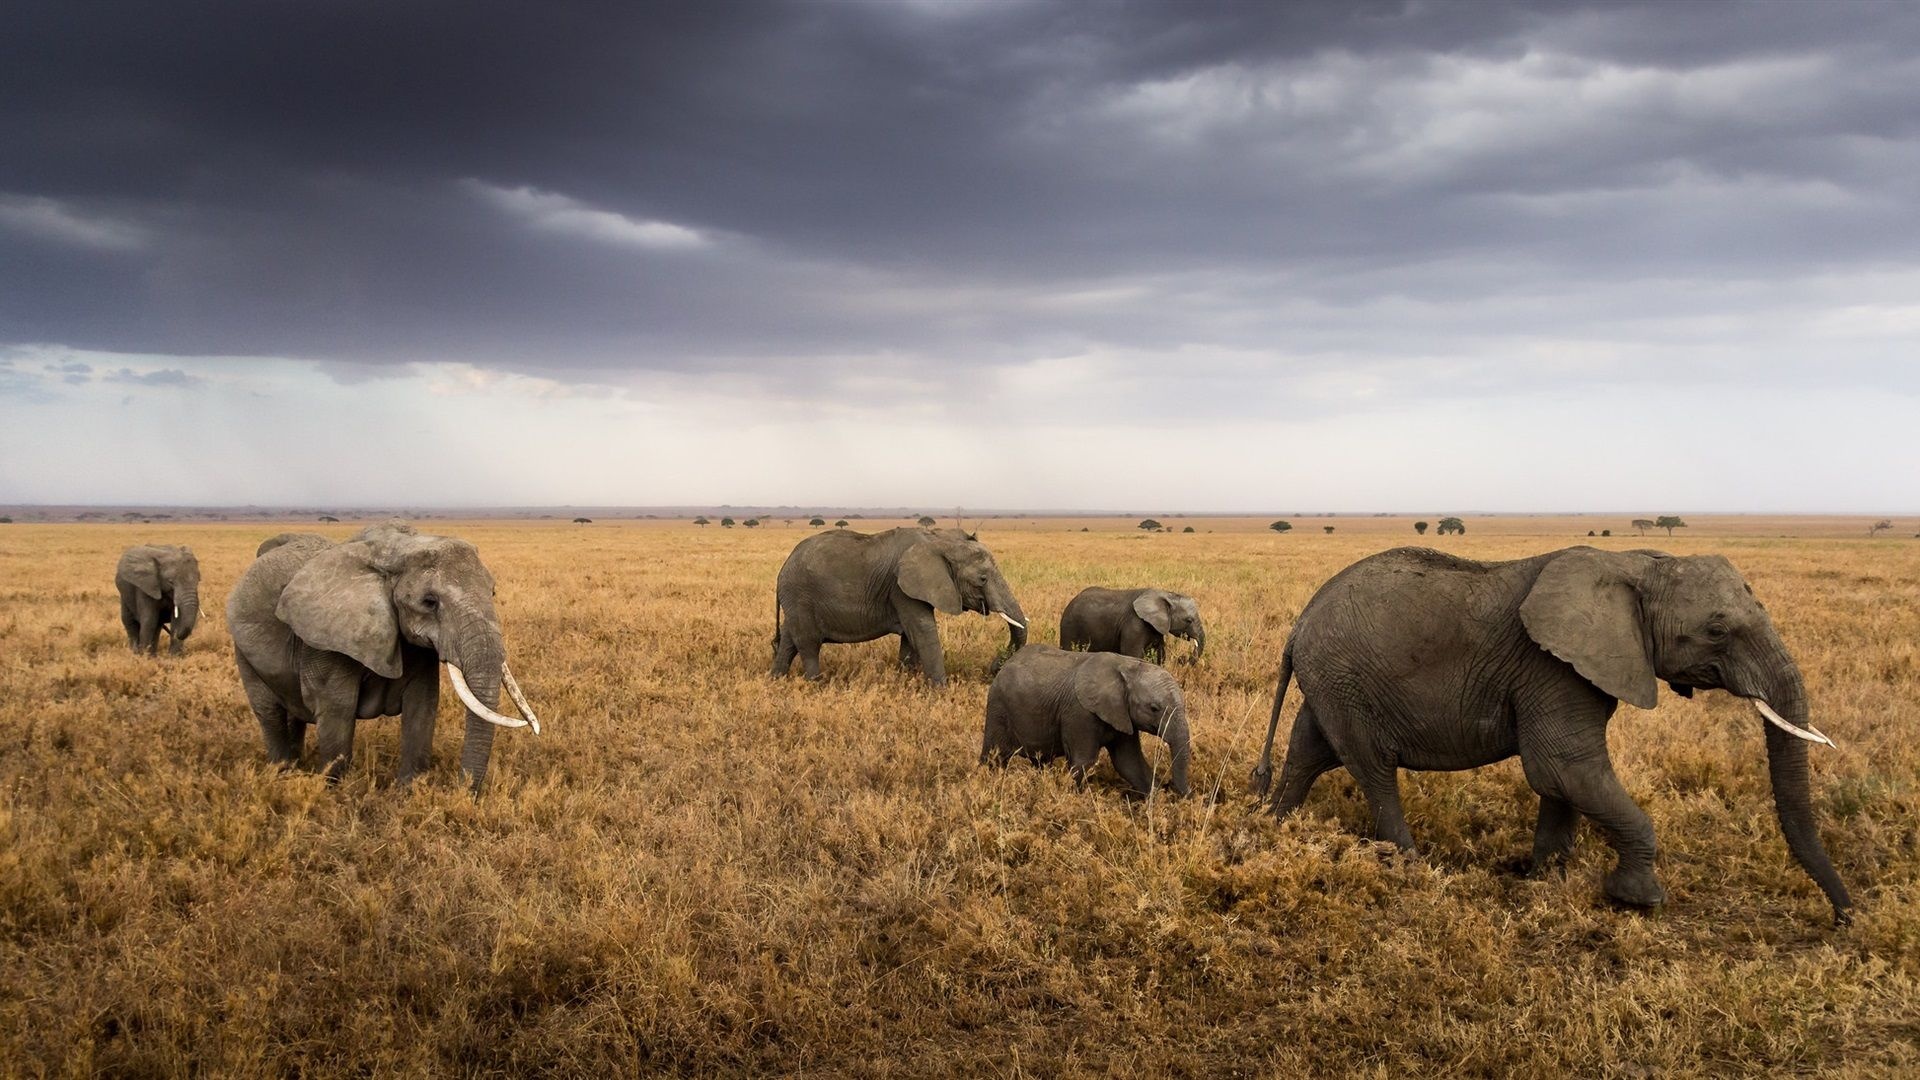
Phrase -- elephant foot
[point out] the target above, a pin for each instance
(1635, 888)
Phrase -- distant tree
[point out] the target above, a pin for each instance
(926, 521)
(751, 523)
(702, 520)
(841, 524)
(1420, 527)
(5, 520)
(1281, 526)
(1643, 524)
(583, 521)
(1590, 532)
(816, 522)
(1329, 528)
(789, 522)
(726, 523)
(1149, 525)
(1451, 525)
(1188, 529)
(1879, 525)
(1606, 532)
(1669, 522)
(328, 517)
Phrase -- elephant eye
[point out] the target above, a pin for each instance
(429, 601)
(1716, 631)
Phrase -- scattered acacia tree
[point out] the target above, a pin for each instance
(1188, 529)
(1879, 525)
(583, 521)
(1590, 532)
(841, 524)
(926, 521)
(1451, 525)
(1149, 525)
(328, 517)
(1329, 528)
(1669, 522)
(816, 522)
(1643, 524)
(1606, 532)
(726, 523)
(4, 520)
(1281, 526)
(1420, 527)
(702, 520)
(751, 523)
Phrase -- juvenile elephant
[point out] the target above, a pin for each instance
(1047, 702)
(1419, 660)
(845, 587)
(1132, 622)
(159, 587)
(328, 634)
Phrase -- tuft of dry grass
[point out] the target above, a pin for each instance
(699, 869)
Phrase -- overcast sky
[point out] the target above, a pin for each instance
(997, 253)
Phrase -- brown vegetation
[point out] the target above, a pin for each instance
(700, 869)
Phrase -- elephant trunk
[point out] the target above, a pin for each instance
(1199, 636)
(1000, 601)
(186, 602)
(482, 657)
(1787, 769)
(1180, 742)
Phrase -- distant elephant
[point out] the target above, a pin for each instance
(844, 586)
(159, 587)
(330, 633)
(1419, 660)
(1132, 622)
(1047, 703)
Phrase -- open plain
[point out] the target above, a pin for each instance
(700, 869)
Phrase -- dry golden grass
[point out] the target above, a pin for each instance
(698, 869)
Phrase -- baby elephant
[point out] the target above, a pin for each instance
(159, 586)
(1047, 702)
(1132, 622)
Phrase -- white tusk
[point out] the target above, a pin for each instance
(1010, 622)
(519, 699)
(473, 703)
(1809, 733)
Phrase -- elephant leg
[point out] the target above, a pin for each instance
(909, 660)
(336, 744)
(784, 651)
(1553, 832)
(809, 659)
(130, 621)
(996, 741)
(331, 689)
(923, 634)
(1380, 782)
(1309, 755)
(1134, 637)
(272, 714)
(419, 709)
(1569, 762)
(149, 642)
(1132, 765)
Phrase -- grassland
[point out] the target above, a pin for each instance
(698, 869)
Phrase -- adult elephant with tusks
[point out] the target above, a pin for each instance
(159, 588)
(1417, 659)
(845, 587)
(328, 634)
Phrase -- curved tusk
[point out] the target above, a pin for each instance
(519, 699)
(1010, 621)
(473, 703)
(1809, 733)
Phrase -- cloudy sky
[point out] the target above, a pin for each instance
(997, 253)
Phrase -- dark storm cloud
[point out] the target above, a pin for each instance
(567, 188)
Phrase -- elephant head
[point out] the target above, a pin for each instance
(1173, 615)
(157, 569)
(1627, 619)
(1131, 695)
(388, 585)
(956, 573)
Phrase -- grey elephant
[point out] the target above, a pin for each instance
(331, 633)
(1132, 622)
(843, 587)
(1047, 703)
(1416, 659)
(159, 587)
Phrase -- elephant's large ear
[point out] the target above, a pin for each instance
(1155, 608)
(1585, 609)
(339, 601)
(924, 576)
(143, 571)
(1101, 688)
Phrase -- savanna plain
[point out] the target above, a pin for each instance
(698, 869)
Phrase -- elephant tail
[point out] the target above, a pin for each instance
(1262, 777)
(776, 621)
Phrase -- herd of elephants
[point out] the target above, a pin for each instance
(1407, 659)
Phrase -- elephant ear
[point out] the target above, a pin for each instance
(142, 571)
(1156, 609)
(1585, 609)
(1100, 685)
(924, 576)
(339, 601)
